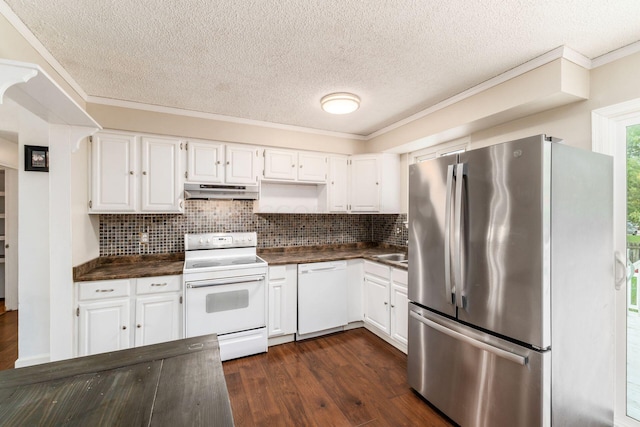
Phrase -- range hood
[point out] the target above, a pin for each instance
(221, 191)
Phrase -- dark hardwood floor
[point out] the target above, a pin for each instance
(8, 339)
(351, 378)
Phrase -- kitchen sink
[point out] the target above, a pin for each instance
(393, 257)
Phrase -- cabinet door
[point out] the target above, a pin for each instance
(113, 168)
(338, 184)
(280, 164)
(241, 165)
(103, 326)
(161, 183)
(376, 302)
(312, 167)
(205, 162)
(365, 184)
(399, 313)
(157, 319)
(282, 300)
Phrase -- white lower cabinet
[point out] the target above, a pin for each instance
(386, 303)
(106, 322)
(157, 319)
(103, 326)
(283, 297)
(399, 302)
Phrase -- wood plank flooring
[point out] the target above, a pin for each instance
(8, 339)
(351, 378)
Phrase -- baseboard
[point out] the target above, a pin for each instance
(281, 339)
(400, 346)
(23, 362)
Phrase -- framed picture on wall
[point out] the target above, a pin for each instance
(36, 158)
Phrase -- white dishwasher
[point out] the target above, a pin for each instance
(322, 296)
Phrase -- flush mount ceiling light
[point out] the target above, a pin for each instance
(340, 103)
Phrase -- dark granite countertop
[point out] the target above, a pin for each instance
(127, 267)
(134, 266)
(307, 254)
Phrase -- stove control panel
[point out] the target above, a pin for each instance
(219, 241)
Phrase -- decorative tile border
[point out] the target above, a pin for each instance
(120, 234)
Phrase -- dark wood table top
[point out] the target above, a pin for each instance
(178, 383)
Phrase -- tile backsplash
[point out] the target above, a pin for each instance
(120, 234)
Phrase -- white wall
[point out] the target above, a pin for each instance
(8, 153)
(34, 248)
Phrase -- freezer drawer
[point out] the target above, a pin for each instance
(474, 378)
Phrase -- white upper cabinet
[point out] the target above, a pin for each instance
(312, 167)
(205, 162)
(288, 165)
(280, 164)
(364, 183)
(131, 173)
(161, 183)
(113, 161)
(241, 164)
(215, 162)
(338, 185)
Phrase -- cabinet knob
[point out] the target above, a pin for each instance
(124, 327)
(300, 166)
(377, 183)
(293, 166)
(130, 172)
(138, 326)
(331, 182)
(385, 303)
(228, 162)
(144, 172)
(393, 306)
(218, 162)
(6, 246)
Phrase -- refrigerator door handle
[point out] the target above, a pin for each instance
(513, 357)
(457, 236)
(627, 273)
(447, 238)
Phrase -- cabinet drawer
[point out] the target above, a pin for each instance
(154, 285)
(376, 269)
(277, 272)
(399, 277)
(103, 289)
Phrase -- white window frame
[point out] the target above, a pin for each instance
(609, 129)
(446, 148)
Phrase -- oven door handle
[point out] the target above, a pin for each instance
(227, 281)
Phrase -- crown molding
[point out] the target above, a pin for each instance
(614, 55)
(212, 116)
(552, 55)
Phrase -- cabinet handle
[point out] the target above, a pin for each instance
(104, 290)
(180, 204)
(124, 327)
(138, 326)
(158, 284)
(144, 172)
(130, 172)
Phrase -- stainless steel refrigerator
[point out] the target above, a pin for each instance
(511, 285)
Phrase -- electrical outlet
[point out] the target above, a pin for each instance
(144, 238)
(397, 230)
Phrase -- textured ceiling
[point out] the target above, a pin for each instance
(273, 60)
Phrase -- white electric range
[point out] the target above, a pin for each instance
(225, 292)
